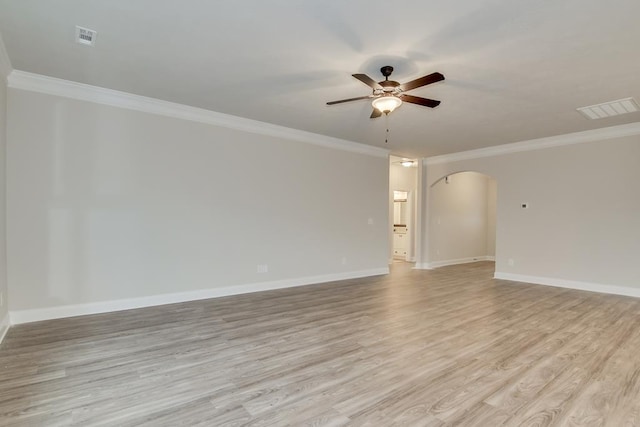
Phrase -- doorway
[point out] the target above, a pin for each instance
(403, 178)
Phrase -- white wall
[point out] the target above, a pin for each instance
(106, 203)
(459, 222)
(583, 224)
(402, 178)
(5, 68)
(492, 200)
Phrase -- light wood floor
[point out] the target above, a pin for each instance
(449, 347)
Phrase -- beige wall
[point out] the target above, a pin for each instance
(582, 224)
(492, 200)
(5, 68)
(107, 204)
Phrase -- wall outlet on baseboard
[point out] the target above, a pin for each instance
(511, 262)
(263, 268)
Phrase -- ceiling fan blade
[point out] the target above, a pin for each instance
(422, 81)
(376, 113)
(367, 80)
(420, 101)
(350, 99)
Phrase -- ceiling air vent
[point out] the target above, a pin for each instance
(610, 109)
(85, 36)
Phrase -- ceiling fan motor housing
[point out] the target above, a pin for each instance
(387, 85)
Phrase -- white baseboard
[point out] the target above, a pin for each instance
(34, 315)
(436, 264)
(570, 284)
(400, 258)
(4, 327)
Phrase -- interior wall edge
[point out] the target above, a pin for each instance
(49, 313)
(5, 62)
(4, 326)
(23, 80)
(570, 284)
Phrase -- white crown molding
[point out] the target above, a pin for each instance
(570, 284)
(34, 315)
(5, 62)
(4, 327)
(540, 143)
(83, 92)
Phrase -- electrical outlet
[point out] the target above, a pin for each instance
(370, 221)
(344, 260)
(511, 262)
(263, 268)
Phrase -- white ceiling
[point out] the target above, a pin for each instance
(515, 70)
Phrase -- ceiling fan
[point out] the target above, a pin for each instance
(388, 94)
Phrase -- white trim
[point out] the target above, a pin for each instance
(4, 326)
(540, 143)
(34, 315)
(570, 284)
(5, 62)
(437, 264)
(83, 92)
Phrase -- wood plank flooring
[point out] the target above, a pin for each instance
(448, 347)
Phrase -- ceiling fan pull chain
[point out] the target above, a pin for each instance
(386, 122)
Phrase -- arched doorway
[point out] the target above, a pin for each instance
(461, 219)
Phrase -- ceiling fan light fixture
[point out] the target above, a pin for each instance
(386, 104)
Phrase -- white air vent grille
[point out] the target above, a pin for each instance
(610, 109)
(85, 36)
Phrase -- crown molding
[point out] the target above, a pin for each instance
(540, 143)
(5, 62)
(84, 92)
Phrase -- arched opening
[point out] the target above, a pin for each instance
(462, 219)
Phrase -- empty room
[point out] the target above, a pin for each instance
(319, 213)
